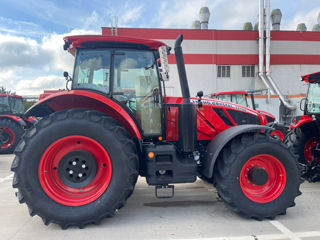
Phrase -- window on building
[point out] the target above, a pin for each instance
(248, 71)
(224, 71)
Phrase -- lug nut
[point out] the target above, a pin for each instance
(74, 163)
(70, 172)
(80, 175)
(83, 166)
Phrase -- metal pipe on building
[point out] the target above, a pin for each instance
(196, 24)
(261, 47)
(204, 16)
(283, 99)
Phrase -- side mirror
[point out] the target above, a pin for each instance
(200, 94)
(164, 62)
(66, 74)
(303, 103)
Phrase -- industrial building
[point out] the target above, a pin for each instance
(225, 60)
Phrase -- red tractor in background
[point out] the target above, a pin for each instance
(47, 93)
(304, 136)
(241, 98)
(80, 162)
(12, 122)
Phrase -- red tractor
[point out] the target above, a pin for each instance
(304, 136)
(12, 122)
(80, 162)
(240, 97)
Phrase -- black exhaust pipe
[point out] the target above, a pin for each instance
(182, 70)
(187, 111)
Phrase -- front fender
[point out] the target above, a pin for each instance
(84, 99)
(14, 118)
(300, 120)
(217, 144)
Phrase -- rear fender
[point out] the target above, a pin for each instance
(14, 118)
(220, 141)
(300, 120)
(84, 99)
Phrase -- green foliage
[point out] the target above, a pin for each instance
(28, 104)
(3, 90)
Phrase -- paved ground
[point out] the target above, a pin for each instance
(194, 213)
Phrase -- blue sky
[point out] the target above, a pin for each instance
(31, 31)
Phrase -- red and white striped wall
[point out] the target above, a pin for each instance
(292, 55)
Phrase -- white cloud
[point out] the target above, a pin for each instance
(307, 17)
(130, 15)
(8, 25)
(23, 58)
(37, 85)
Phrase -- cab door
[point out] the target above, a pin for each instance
(136, 84)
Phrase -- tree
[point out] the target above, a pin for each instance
(3, 90)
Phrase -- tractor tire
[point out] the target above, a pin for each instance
(75, 167)
(11, 134)
(302, 143)
(257, 176)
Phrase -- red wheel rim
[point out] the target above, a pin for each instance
(275, 183)
(310, 145)
(9, 137)
(51, 182)
(277, 133)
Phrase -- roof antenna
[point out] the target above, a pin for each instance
(114, 25)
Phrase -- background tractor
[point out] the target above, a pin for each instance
(12, 122)
(304, 136)
(241, 98)
(80, 162)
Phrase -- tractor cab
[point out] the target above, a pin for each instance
(238, 97)
(11, 104)
(311, 104)
(125, 72)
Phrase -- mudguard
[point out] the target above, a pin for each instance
(14, 118)
(300, 120)
(217, 144)
(84, 99)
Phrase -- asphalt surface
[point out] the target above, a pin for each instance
(195, 212)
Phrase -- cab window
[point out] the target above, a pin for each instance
(92, 70)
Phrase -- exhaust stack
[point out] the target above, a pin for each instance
(182, 70)
(187, 127)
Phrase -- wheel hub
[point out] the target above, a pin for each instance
(77, 168)
(258, 176)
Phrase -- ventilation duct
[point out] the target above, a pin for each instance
(316, 28)
(204, 16)
(276, 16)
(302, 27)
(247, 26)
(196, 24)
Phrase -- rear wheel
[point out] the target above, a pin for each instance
(11, 135)
(75, 167)
(257, 176)
(303, 143)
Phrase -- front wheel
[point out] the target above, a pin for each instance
(75, 167)
(10, 135)
(257, 176)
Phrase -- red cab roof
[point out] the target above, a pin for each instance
(311, 77)
(229, 93)
(78, 41)
(9, 95)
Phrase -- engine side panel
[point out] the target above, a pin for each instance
(213, 117)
